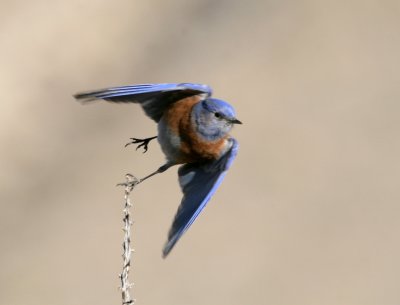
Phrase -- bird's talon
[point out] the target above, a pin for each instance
(142, 143)
(131, 181)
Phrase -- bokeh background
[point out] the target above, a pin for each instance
(309, 212)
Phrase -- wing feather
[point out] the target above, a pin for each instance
(154, 98)
(198, 184)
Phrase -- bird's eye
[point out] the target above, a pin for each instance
(217, 115)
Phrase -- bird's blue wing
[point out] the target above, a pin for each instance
(154, 98)
(198, 183)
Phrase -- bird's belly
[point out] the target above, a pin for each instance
(169, 141)
(185, 149)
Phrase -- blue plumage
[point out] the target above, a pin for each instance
(154, 98)
(198, 184)
(197, 132)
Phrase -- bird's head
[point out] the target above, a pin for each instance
(214, 118)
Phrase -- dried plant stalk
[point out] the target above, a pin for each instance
(126, 286)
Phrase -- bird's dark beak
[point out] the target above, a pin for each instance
(235, 121)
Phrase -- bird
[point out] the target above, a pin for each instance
(193, 132)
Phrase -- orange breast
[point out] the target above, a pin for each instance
(193, 147)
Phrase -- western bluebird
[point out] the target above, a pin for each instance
(192, 130)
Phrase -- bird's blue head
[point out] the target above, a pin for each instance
(213, 118)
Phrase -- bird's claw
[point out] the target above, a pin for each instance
(131, 181)
(142, 143)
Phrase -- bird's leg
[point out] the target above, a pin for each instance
(142, 142)
(134, 181)
(158, 171)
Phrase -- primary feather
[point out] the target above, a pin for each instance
(154, 98)
(198, 184)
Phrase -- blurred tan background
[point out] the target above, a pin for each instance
(309, 212)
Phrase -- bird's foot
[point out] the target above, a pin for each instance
(131, 181)
(142, 143)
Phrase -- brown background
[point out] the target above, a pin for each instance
(309, 212)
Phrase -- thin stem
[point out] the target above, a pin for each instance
(126, 286)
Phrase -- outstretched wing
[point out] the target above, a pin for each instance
(154, 98)
(198, 183)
